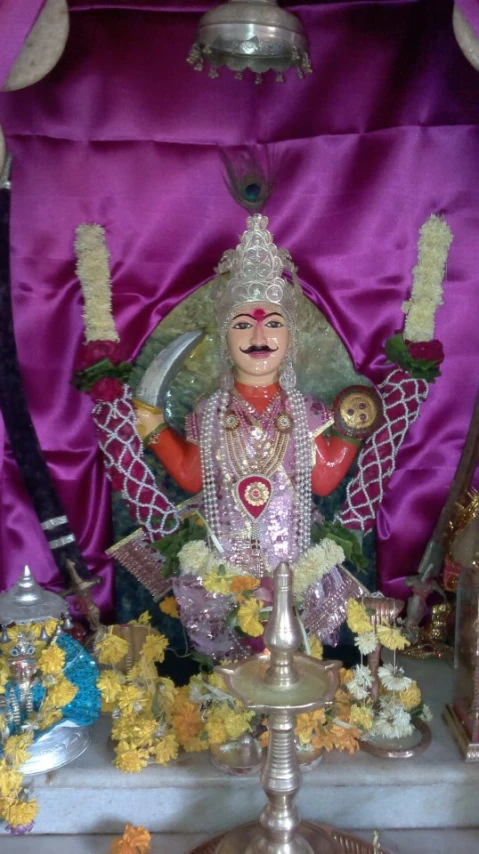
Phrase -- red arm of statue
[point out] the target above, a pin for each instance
(333, 459)
(180, 458)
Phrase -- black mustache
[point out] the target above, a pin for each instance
(253, 348)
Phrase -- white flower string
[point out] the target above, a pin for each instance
(428, 274)
(93, 271)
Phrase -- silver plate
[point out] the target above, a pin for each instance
(345, 842)
(56, 748)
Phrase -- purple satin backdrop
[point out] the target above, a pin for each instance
(124, 133)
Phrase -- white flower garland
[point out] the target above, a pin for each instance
(315, 563)
(93, 271)
(428, 274)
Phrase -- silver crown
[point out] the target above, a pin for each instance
(256, 269)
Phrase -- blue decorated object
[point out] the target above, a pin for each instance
(80, 669)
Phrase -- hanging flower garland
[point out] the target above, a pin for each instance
(102, 373)
(140, 700)
(399, 701)
(417, 357)
(246, 601)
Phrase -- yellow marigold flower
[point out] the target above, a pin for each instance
(214, 583)
(135, 840)
(111, 649)
(10, 780)
(111, 685)
(215, 725)
(217, 681)
(237, 721)
(323, 739)
(143, 671)
(391, 638)
(143, 620)
(241, 583)
(4, 676)
(248, 618)
(357, 618)
(140, 730)
(187, 723)
(169, 607)
(362, 717)
(345, 676)
(131, 699)
(166, 692)
(166, 749)
(316, 648)
(125, 727)
(21, 813)
(51, 626)
(410, 697)
(154, 648)
(49, 717)
(319, 716)
(345, 738)
(16, 748)
(52, 660)
(264, 738)
(195, 745)
(62, 693)
(305, 726)
(130, 760)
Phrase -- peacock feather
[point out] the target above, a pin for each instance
(249, 182)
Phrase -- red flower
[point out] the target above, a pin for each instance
(95, 351)
(430, 350)
(106, 389)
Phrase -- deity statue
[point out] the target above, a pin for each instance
(257, 448)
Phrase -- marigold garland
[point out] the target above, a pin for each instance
(142, 702)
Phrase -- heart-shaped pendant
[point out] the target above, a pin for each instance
(254, 493)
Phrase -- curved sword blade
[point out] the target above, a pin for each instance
(164, 367)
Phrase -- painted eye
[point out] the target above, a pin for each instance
(274, 324)
(243, 324)
(14, 653)
(31, 650)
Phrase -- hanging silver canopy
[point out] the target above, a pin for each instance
(27, 602)
(254, 34)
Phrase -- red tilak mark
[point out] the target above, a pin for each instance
(258, 314)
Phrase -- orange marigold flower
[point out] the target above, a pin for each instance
(187, 722)
(169, 607)
(241, 583)
(135, 840)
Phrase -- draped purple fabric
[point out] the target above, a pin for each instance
(17, 19)
(124, 133)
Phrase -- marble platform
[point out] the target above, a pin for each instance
(435, 790)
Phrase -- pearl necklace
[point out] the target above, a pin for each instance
(216, 411)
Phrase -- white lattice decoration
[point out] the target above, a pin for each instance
(126, 468)
(402, 397)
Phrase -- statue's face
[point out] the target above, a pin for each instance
(258, 340)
